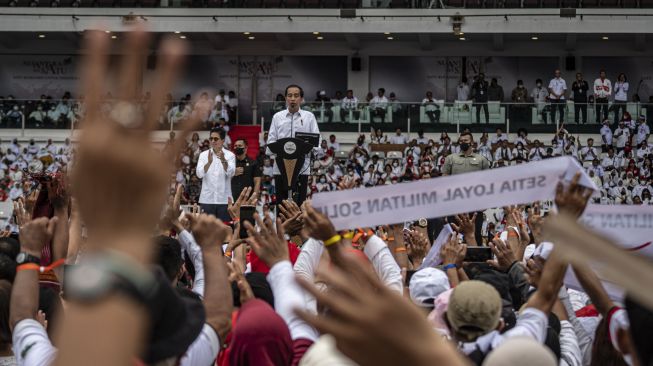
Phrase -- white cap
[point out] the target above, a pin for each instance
(322, 92)
(426, 284)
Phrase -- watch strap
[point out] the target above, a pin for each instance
(24, 258)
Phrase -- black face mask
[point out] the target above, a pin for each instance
(464, 146)
(239, 150)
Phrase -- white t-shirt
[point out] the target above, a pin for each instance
(557, 86)
(642, 132)
(607, 133)
(31, 344)
(622, 135)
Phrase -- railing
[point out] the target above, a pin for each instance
(439, 115)
(60, 114)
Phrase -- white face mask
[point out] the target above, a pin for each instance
(322, 180)
(395, 164)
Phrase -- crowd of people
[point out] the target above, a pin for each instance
(104, 266)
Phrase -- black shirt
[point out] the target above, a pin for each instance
(251, 170)
(580, 89)
(479, 91)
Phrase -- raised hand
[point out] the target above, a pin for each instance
(574, 198)
(208, 230)
(236, 275)
(247, 197)
(467, 226)
(535, 222)
(390, 330)
(534, 267)
(35, 234)
(126, 194)
(271, 247)
(317, 225)
(453, 252)
(22, 216)
(503, 252)
(418, 245)
(173, 210)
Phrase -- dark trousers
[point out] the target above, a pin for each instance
(582, 108)
(619, 109)
(434, 116)
(328, 115)
(478, 112)
(379, 112)
(219, 211)
(519, 114)
(559, 105)
(601, 109)
(282, 193)
(345, 113)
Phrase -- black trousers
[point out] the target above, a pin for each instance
(379, 112)
(619, 109)
(478, 112)
(219, 211)
(299, 197)
(582, 108)
(434, 116)
(558, 104)
(345, 113)
(601, 106)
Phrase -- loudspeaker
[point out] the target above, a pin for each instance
(151, 62)
(570, 63)
(355, 63)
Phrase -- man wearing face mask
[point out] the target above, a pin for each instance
(248, 172)
(538, 96)
(466, 161)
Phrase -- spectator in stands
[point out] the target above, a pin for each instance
(622, 136)
(480, 97)
(602, 93)
(324, 104)
(337, 98)
(378, 137)
(14, 116)
(431, 108)
(179, 113)
(349, 108)
(379, 105)
(462, 90)
(580, 89)
(589, 152)
(495, 91)
(396, 107)
(539, 96)
(220, 106)
(520, 153)
(522, 136)
(496, 139)
(503, 152)
(643, 131)
(620, 97)
(232, 106)
(420, 137)
(519, 109)
(333, 144)
(279, 103)
(606, 136)
(38, 117)
(399, 138)
(537, 152)
(202, 108)
(557, 90)
(485, 148)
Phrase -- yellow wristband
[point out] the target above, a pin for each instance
(332, 240)
(348, 235)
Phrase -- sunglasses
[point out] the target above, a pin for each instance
(214, 138)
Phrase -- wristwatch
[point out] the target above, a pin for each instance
(24, 257)
(104, 275)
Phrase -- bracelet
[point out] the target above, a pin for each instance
(400, 249)
(348, 235)
(449, 266)
(332, 240)
(227, 253)
(41, 269)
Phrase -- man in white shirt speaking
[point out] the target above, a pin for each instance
(215, 168)
(285, 124)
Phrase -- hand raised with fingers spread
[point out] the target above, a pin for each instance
(419, 245)
(268, 245)
(317, 224)
(535, 222)
(503, 252)
(466, 226)
(208, 230)
(35, 234)
(451, 251)
(236, 275)
(173, 210)
(534, 267)
(247, 197)
(390, 330)
(22, 216)
(574, 198)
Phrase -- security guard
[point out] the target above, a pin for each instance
(464, 162)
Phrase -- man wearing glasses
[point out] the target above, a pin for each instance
(285, 124)
(215, 168)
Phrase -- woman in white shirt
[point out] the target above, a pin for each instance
(520, 152)
(620, 97)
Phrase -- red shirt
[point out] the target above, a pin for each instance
(259, 266)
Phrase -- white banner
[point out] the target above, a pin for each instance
(627, 225)
(432, 259)
(449, 195)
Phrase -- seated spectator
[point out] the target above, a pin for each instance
(349, 107)
(324, 105)
(520, 153)
(378, 105)
(589, 152)
(431, 108)
(498, 137)
(399, 138)
(503, 152)
(537, 152)
(333, 144)
(421, 140)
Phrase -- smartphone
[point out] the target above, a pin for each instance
(246, 215)
(478, 254)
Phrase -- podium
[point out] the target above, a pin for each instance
(291, 153)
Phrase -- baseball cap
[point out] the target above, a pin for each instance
(474, 309)
(426, 284)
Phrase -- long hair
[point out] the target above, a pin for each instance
(603, 353)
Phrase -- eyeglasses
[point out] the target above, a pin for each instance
(214, 139)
